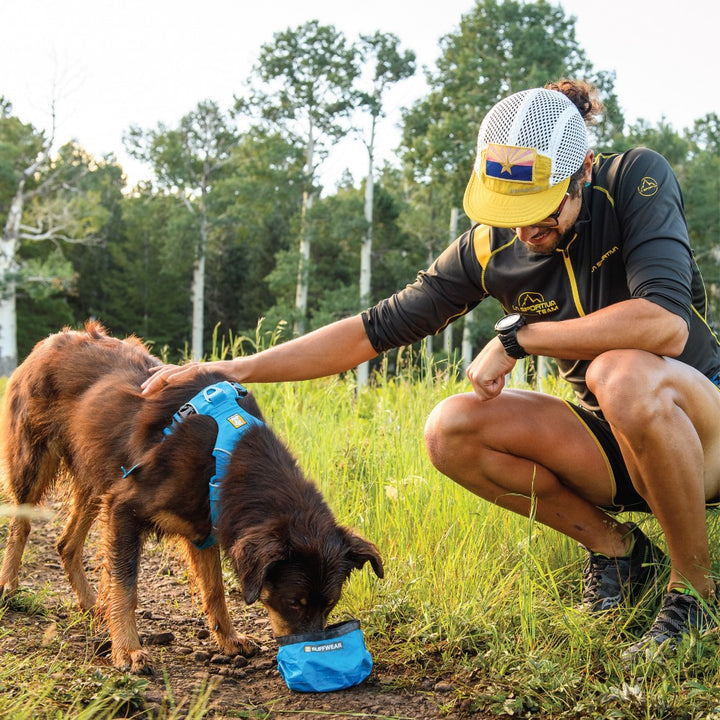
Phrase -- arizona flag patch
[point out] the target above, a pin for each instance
(507, 162)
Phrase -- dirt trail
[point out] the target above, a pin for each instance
(185, 656)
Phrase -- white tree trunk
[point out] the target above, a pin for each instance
(467, 351)
(198, 306)
(363, 371)
(447, 340)
(303, 274)
(8, 330)
(8, 314)
(198, 287)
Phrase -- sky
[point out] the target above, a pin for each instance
(110, 64)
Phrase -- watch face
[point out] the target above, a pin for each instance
(507, 322)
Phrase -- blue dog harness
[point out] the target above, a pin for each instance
(220, 402)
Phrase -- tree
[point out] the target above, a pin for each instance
(81, 290)
(701, 187)
(40, 203)
(662, 138)
(304, 84)
(256, 205)
(186, 161)
(148, 270)
(388, 66)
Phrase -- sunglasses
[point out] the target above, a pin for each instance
(552, 220)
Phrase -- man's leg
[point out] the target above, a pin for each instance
(522, 445)
(666, 418)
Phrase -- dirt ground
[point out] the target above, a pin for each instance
(173, 627)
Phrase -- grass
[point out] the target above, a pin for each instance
(88, 696)
(473, 596)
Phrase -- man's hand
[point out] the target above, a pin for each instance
(487, 371)
(162, 374)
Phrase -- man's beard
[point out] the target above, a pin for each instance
(561, 240)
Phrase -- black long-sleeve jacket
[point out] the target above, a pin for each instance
(630, 241)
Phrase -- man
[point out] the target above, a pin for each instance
(589, 256)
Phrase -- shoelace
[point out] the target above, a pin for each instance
(606, 575)
(679, 612)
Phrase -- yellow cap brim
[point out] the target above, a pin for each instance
(486, 205)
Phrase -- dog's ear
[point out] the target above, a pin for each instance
(253, 555)
(361, 551)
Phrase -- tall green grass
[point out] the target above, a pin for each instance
(472, 593)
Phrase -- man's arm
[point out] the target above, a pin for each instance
(637, 323)
(633, 324)
(332, 349)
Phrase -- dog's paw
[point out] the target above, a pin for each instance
(241, 645)
(8, 588)
(134, 661)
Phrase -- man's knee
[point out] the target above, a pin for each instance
(446, 427)
(627, 385)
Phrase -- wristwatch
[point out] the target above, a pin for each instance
(507, 328)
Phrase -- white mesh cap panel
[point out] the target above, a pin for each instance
(545, 120)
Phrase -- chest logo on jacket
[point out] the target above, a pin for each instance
(535, 303)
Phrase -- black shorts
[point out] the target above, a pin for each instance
(625, 497)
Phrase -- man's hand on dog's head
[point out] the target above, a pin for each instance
(160, 376)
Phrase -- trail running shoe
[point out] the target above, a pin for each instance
(680, 613)
(610, 580)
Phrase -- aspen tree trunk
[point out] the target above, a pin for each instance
(363, 370)
(303, 274)
(447, 339)
(198, 294)
(8, 313)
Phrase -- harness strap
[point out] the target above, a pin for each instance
(220, 402)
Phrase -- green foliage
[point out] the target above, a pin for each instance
(38, 687)
(147, 269)
(188, 156)
(695, 157)
(304, 80)
(387, 66)
(662, 138)
(70, 222)
(399, 250)
(26, 602)
(256, 205)
(20, 145)
(243, 191)
(474, 596)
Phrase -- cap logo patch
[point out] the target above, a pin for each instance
(506, 162)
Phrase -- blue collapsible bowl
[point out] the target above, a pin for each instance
(332, 659)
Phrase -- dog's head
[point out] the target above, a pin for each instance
(298, 576)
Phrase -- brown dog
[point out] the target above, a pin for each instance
(74, 414)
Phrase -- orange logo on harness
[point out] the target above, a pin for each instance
(236, 420)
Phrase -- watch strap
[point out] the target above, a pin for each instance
(512, 347)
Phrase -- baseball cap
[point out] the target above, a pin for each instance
(528, 146)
